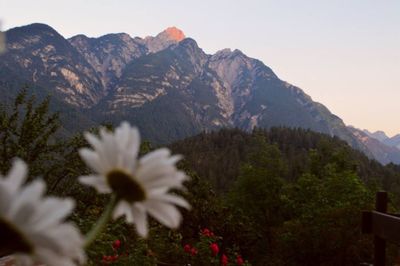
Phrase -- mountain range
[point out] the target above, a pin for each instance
(383, 138)
(166, 85)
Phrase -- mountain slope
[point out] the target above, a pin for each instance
(165, 84)
(37, 54)
(109, 54)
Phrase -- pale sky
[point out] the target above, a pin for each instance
(343, 53)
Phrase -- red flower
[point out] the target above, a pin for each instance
(116, 244)
(239, 260)
(187, 248)
(214, 249)
(207, 232)
(114, 258)
(224, 260)
(107, 259)
(193, 251)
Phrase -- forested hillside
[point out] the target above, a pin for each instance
(273, 197)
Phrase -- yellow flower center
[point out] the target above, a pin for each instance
(125, 186)
(12, 240)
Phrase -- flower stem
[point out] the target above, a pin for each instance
(102, 222)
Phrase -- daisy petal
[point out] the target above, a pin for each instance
(165, 213)
(155, 155)
(29, 195)
(17, 175)
(140, 219)
(92, 159)
(58, 210)
(98, 182)
(123, 208)
(169, 198)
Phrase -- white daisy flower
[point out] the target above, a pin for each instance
(141, 185)
(32, 227)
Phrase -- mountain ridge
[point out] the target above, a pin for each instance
(168, 86)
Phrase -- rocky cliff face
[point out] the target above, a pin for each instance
(109, 54)
(38, 54)
(165, 84)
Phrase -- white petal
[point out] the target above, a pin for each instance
(140, 219)
(23, 215)
(165, 213)
(50, 258)
(123, 208)
(56, 210)
(149, 172)
(110, 153)
(5, 199)
(128, 138)
(17, 175)
(155, 155)
(98, 182)
(92, 159)
(23, 260)
(98, 146)
(30, 194)
(72, 242)
(172, 181)
(169, 198)
(94, 141)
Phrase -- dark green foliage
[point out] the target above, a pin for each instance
(277, 197)
(298, 193)
(26, 131)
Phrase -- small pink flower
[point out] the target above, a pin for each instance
(193, 251)
(214, 249)
(224, 260)
(239, 260)
(116, 244)
(187, 248)
(207, 232)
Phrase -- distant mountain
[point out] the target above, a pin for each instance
(393, 142)
(167, 85)
(384, 139)
(379, 135)
(381, 151)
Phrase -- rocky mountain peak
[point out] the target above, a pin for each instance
(173, 33)
(31, 35)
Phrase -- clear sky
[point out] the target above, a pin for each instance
(343, 53)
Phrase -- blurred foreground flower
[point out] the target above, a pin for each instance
(140, 186)
(32, 227)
